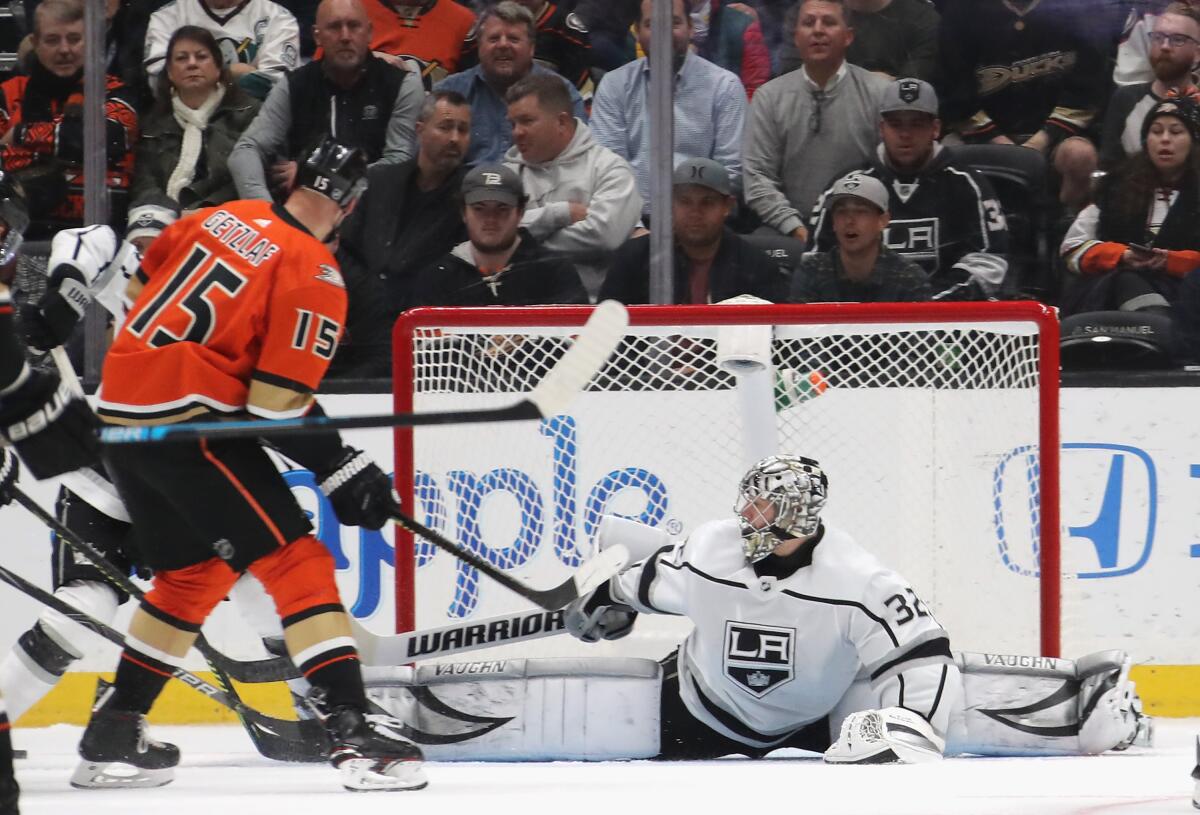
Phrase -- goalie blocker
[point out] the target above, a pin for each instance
(596, 709)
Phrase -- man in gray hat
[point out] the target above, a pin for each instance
(860, 269)
(945, 216)
(500, 263)
(711, 262)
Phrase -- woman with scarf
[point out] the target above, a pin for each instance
(1140, 237)
(180, 163)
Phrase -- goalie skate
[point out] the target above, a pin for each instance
(118, 753)
(371, 754)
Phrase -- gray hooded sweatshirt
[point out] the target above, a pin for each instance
(583, 173)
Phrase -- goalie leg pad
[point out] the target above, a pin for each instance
(1046, 706)
(595, 709)
(1109, 708)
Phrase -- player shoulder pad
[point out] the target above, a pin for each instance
(331, 275)
(574, 23)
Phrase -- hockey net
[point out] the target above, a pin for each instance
(936, 423)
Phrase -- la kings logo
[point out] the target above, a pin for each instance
(918, 239)
(758, 657)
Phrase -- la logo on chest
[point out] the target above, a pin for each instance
(758, 658)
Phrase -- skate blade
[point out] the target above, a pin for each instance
(366, 775)
(110, 775)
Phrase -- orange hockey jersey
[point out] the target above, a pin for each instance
(236, 308)
(432, 33)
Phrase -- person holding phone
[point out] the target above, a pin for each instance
(1130, 248)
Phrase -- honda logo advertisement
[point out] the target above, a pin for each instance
(1109, 509)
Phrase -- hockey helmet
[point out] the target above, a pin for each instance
(780, 498)
(334, 170)
(14, 213)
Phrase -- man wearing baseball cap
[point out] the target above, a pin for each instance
(860, 269)
(711, 262)
(946, 217)
(500, 263)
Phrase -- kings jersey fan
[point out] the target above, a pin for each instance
(237, 308)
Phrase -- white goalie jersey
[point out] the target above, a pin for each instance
(769, 655)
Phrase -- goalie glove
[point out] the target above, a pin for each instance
(893, 735)
(596, 616)
(51, 427)
(361, 493)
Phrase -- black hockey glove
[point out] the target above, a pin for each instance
(361, 493)
(53, 430)
(50, 322)
(597, 616)
(10, 471)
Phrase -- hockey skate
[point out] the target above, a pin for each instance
(118, 753)
(371, 754)
(1196, 775)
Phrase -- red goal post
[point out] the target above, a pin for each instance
(936, 422)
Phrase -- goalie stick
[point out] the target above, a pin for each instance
(456, 638)
(570, 375)
(273, 669)
(280, 739)
(589, 575)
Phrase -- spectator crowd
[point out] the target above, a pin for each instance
(824, 150)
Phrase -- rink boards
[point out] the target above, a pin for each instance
(1131, 553)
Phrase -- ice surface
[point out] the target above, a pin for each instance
(222, 775)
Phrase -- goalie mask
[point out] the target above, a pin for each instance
(14, 218)
(780, 498)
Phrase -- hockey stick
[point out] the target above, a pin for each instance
(456, 638)
(591, 349)
(280, 739)
(590, 574)
(273, 669)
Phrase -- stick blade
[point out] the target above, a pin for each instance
(587, 577)
(583, 360)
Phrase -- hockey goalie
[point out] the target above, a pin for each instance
(801, 639)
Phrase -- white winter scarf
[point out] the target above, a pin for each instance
(193, 122)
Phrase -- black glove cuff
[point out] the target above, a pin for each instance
(60, 316)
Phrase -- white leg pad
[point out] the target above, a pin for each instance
(98, 600)
(1043, 706)
(525, 709)
(256, 606)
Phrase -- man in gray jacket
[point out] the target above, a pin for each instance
(807, 125)
(583, 198)
(349, 93)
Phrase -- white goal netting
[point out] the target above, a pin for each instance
(928, 420)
